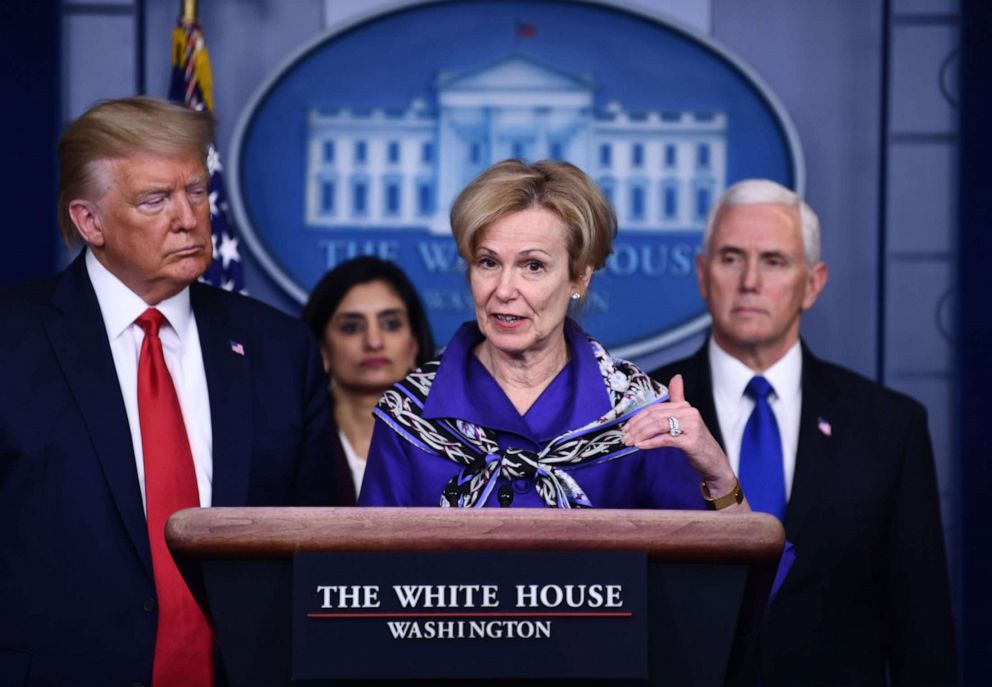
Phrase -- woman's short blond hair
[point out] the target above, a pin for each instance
(116, 129)
(559, 187)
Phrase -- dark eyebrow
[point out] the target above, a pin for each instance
(388, 312)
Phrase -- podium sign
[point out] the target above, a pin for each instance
(463, 614)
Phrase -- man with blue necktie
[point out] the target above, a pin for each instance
(846, 464)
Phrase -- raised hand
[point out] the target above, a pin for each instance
(677, 424)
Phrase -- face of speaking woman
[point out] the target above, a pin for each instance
(522, 284)
(368, 342)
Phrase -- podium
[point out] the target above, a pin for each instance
(709, 574)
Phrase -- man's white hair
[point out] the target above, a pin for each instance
(758, 191)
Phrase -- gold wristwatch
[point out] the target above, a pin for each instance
(735, 496)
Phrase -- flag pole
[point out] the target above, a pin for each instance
(188, 12)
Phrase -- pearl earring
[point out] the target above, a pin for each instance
(575, 296)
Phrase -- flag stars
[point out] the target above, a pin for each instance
(213, 161)
(228, 249)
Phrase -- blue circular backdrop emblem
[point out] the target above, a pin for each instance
(360, 142)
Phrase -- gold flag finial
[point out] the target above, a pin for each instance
(189, 10)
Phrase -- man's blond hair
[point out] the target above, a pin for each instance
(117, 129)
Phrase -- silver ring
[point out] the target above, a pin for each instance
(673, 426)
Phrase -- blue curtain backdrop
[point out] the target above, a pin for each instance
(974, 334)
(29, 121)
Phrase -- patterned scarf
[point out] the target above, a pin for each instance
(475, 448)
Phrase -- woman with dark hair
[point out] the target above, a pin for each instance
(372, 331)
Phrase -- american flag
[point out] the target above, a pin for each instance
(192, 84)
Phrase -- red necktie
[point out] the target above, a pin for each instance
(183, 644)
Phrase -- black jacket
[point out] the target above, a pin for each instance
(868, 593)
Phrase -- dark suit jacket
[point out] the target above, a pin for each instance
(868, 591)
(344, 483)
(77, 598)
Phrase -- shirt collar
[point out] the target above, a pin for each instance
(731, 376)
(121, 306)
(471, 393)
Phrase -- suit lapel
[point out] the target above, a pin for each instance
(816, 448)
(79, 340)
(227, 362)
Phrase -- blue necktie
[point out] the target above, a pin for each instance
(761, 472)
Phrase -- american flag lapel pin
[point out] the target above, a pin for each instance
(237, 347)
(824, 427)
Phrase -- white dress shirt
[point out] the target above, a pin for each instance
(355, 463)
(181, 346)
(733, 407)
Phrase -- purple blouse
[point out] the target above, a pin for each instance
(400, 474)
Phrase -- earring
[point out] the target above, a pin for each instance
(575, 296)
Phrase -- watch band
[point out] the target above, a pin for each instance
(735, 496)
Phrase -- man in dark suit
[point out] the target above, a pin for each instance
(851, 470)
(99, 365)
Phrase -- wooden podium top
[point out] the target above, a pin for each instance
(665, 535)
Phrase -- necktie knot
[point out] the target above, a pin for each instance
(151, 321)
(758, 388)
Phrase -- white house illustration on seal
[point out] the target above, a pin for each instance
(394, 169)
